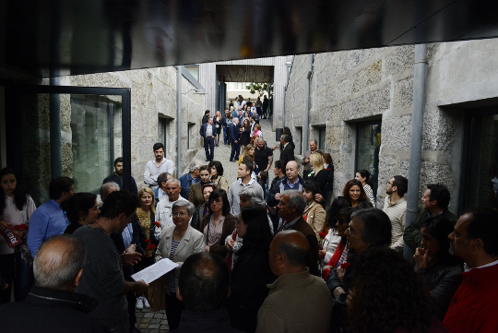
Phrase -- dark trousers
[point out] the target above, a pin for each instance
(225, 135)
(14, 270)
(209, 145)
(174, 309)
(235, 151)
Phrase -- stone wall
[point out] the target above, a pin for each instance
(361, 85)
(153, 96)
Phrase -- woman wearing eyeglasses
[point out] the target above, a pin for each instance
(178, 242)
(340, 255)
(218, 224)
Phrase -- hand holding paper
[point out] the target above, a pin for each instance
(155, 271)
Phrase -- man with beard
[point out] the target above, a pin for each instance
(117, 176)
(157, 166)
(395, 208)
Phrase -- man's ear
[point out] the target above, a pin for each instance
(476, 245)
(280, 259)
(77, 279)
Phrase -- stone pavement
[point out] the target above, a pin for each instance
(156, 322)
(152, 322)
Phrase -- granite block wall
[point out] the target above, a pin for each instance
(153, 96)
(361, 85)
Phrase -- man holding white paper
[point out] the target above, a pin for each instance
(103, 277)
(178, 242)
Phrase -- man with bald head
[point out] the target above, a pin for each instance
(52, 305)
(298, 301)
(291, 181)
(291, 208)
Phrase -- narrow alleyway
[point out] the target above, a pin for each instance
(222, 153)
(156, 322)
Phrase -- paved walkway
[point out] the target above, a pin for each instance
(156, 322)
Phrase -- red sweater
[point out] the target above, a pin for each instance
(474, 305)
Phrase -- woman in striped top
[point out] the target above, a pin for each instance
(177, 243)
(364, 177)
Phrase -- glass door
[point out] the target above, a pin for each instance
(67, 131)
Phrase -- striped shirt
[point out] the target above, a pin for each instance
(370, 194)
(170, 277)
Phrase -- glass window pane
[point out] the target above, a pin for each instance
(367, 148)
(96, 140)
(91, 138)
(482, 184)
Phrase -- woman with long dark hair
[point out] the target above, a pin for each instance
(202, 210)
(355, 195)
(245, 137)
(368, 229)
(340, 255)
(314, 213)
(218, 224)
(251, 273)
(364, 177)
(16, 207)
(388, 296)
(332, 238)
(82, 209)
(217, 177)
(441, 271)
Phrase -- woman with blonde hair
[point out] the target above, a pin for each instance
(318, 173)
(248, 151)
(217, 120)
(144, 221)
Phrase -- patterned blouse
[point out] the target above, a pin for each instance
(144, 219)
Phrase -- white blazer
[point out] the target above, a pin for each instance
(191, 243)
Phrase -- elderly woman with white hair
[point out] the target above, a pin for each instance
(249, 196)
(178, 242)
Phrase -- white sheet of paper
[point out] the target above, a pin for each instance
(154, 272)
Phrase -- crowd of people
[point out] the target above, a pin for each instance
(239, 124)
(253, 256)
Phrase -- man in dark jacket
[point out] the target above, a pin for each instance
(206, 116)
(208, 132)
(291, 208)
(287, 153)
(117, 176)
(204, 310)
(234, 140)
(435, 200)
(52, 305)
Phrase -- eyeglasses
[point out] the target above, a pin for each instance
(351, 232)
(181, 214)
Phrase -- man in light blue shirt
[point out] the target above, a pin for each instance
(50, 219)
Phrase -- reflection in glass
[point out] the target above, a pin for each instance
(482, 184)
(96, 140)
(91, 137)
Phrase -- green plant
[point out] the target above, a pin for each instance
(261, 88)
